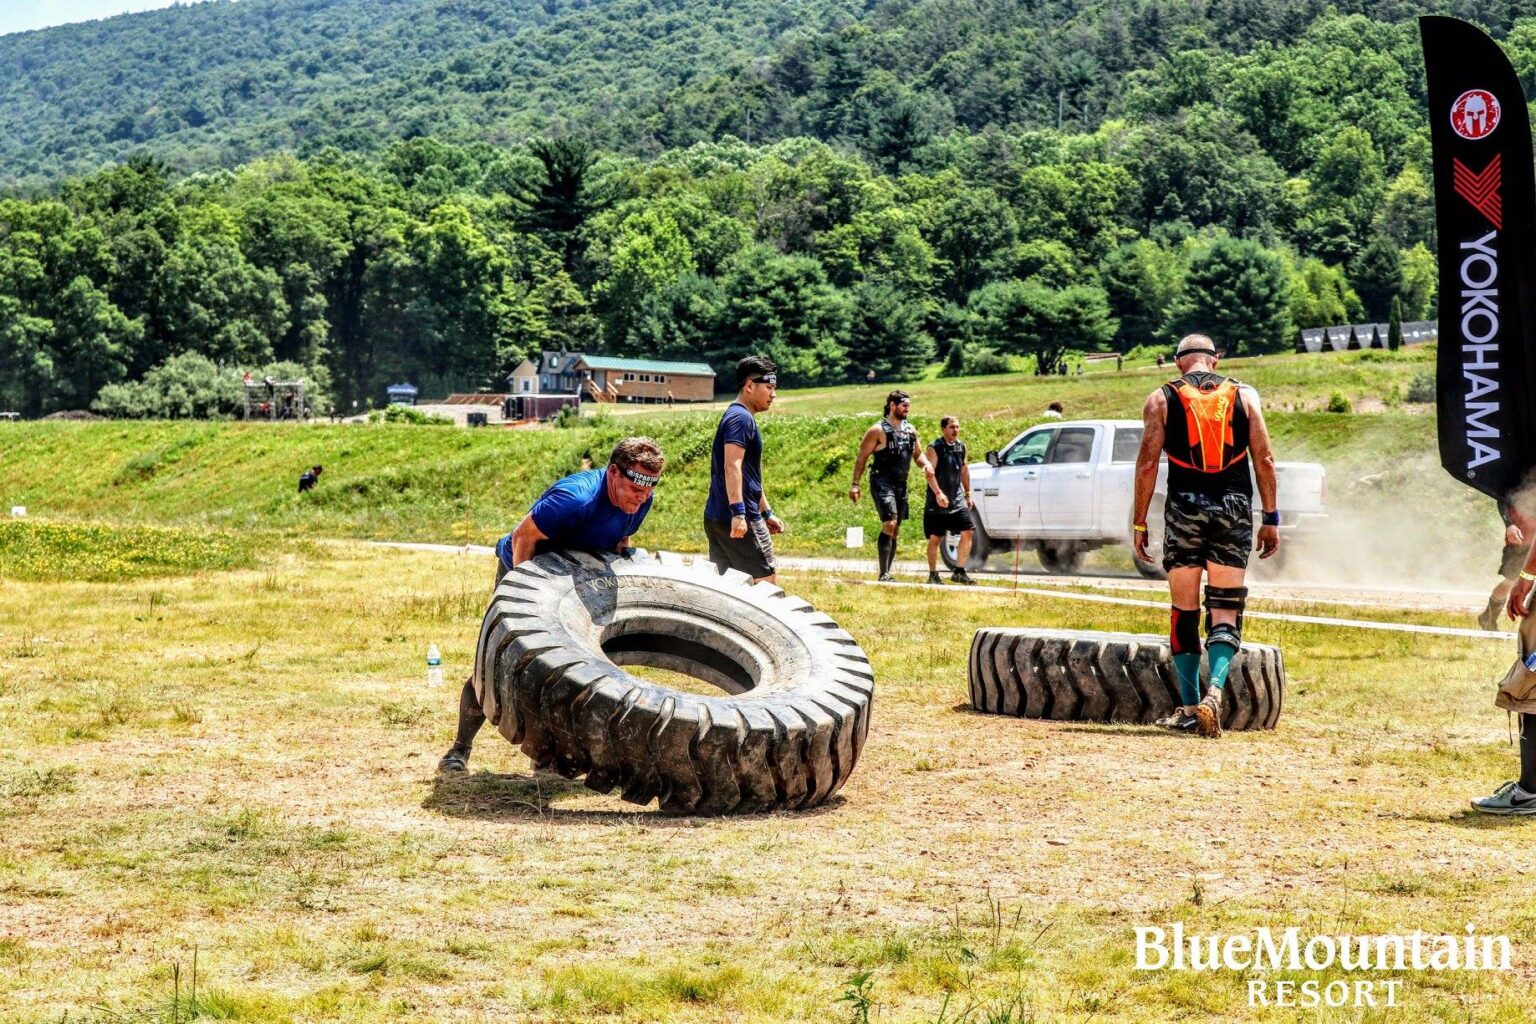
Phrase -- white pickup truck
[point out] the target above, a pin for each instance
(1067, 489)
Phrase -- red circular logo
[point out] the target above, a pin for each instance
(1475, 114)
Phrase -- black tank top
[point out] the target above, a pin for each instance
(891, 463)
(947, 472)
(1184, 456)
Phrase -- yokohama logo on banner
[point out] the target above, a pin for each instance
(1481, 190)
(1485, 213)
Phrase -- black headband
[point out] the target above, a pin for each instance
(767, 378)
(1195, 352)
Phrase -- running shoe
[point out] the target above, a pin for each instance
(1489, 619)
(961, 576)
(933, 577)
(1178, 721)
(886, 577)
(1507, 799)
(1208, 714)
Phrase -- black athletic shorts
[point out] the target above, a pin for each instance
(1205, 528)
(752, 554)
(939, 521)
(890, 500)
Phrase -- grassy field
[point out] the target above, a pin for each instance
(228, 762)
(441, 484)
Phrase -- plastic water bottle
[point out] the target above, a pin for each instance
(1530, 662)
(434, 666)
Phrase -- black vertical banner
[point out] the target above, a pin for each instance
(1485, 213)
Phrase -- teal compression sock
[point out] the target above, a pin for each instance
(1187, 665)
(1221, 656)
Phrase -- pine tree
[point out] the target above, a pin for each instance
(1395, 325)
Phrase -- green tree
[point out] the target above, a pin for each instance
(1029, 319)
(1321, 296)
(1141, 282)
(1421, 277)
(782, 307)
(1395, 325)
(1236, 291)
(1377, 274)
(886, 333)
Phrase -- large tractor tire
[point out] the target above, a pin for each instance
(1079, 676)
(785, 732)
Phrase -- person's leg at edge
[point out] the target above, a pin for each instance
(933, 558)
(471, 718)
(1184, 632)
(887, 545)
(1528, 753)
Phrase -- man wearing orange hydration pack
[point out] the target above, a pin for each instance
(1212, 430)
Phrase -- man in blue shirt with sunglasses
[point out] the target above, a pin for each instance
(594, 510)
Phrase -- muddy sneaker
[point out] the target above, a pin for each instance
(1507, 799)
(1489, 619)
(1178, 721)
(456, 760)
(961, 576)
(1208, 714)
(933, 577)
(886, 577)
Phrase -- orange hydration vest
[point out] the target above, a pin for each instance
(1211, 444)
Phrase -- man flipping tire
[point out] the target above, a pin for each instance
(1212, 430)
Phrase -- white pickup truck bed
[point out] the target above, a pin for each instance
(1067, 488)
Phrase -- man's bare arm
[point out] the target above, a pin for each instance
(965, 481)
(735, 454)
(920, 456)
(524, 539)
(1149, 455)
(1260, 450)
(866, 449)
(933, 481)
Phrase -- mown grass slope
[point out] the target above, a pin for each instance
(442, 484)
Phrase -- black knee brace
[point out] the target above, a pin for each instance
(1225, 597)
(1184, 631)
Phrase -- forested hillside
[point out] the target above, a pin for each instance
(873, 190)
(218, 83)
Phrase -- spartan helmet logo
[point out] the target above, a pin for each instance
(1475, 114)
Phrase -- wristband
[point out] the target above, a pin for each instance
(766, 512)
(1139, 527)
(1272, 518)
(1527, 576)
(738, 510)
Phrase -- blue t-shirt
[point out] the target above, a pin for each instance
(575, 514)
(737, 426)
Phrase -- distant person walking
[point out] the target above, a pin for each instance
(893, 444)
(738, 523)
(1518, 535)
(1212, 430)
(593, 510)
(941, 517)
(309, 478)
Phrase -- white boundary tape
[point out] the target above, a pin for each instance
(1066, 595)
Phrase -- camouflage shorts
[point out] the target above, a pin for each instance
(1205, 528)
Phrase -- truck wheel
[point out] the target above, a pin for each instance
(981, 548)
(1061, 557)
(785, 732)
(1085, 676)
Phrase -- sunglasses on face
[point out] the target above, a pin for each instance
(638, 478)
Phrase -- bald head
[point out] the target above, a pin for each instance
(1195, 350)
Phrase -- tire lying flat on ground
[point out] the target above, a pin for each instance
(1085, 676)
(785, 732)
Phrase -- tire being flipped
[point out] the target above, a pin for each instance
(785, 733)
(1084, 676)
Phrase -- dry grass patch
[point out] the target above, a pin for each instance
(241, 764)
